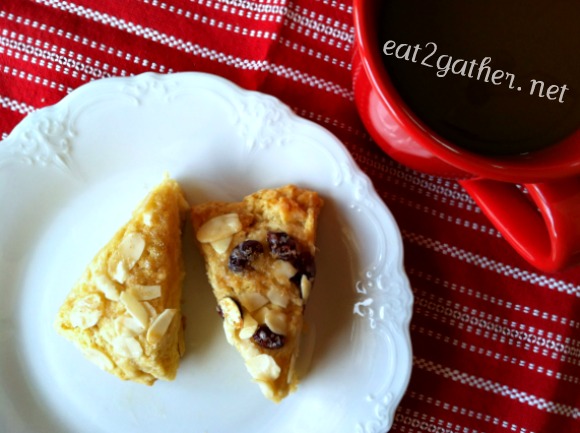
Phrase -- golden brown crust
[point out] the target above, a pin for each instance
(270, 289)
(142, 263)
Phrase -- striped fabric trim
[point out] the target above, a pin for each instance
(200, 51)
(491, 264)
(497, 388)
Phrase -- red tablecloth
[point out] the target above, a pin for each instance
(496, 343)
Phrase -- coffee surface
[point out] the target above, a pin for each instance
(498, 77)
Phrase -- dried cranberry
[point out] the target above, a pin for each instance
(283, 246)
(305, 265)
(220, 311)
(268, 339)
(244, 254)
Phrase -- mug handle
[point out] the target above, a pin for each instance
(542, 225)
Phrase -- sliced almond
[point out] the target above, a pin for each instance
(127, 347)
(127, 326)
(219, 227)
(292, 370)
(283, 271)
(231, 312)
(119, 271)
(229, 331)
(252, 301)
(86, 311)
(131, 248)
(277, 321)
(305, 287)
(249, 327)
(278, 297)
(160, 325)
(263, 367)
(222, 245)
(105, 285)
(260, 315)
(98, 357)
(150, 309)
(266, 388)
(248, 350)
(135, 308)
(145, 293)
(147, 219)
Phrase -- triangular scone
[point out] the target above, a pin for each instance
(124, 313)
(259, 256)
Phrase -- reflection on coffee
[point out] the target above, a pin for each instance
(498, 77)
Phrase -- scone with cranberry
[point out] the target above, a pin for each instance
(259, 256)
(124, 313)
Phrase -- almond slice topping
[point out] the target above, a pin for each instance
(160, 325)
(127, 347)
(305, 287)
(150, 309)
(98, 357)
(266, 389)
(127, 326)
(229, 331)
(276, 321)
(222, 245)
(105, 285)
(145, 293)
(253, 301)
(86, 311)
(135, 308)
(283, 271)
(260, 315)
(119, 271)
(219, 227)
(131, 248)
(147, 219)
(249, 327)
(231, 312)
(278, 297)
(263, 367)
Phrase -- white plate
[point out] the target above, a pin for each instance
(71, 174)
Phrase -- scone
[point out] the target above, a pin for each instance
(259, 256)
(124, 313)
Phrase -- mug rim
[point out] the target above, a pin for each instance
(543, 164)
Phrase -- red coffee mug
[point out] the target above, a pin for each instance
(543, 225)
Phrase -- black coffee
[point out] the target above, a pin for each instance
(498, 77)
